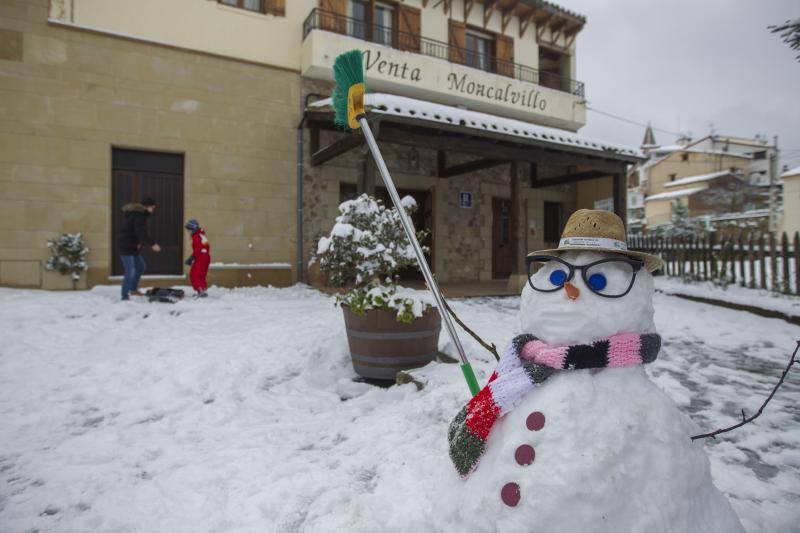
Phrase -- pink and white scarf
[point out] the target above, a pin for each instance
(526, 364)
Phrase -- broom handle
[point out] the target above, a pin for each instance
(466, 368)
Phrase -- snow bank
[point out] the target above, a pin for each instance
(241, 413)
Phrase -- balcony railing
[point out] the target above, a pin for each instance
(329, 21)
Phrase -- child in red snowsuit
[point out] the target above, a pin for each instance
(200, 258)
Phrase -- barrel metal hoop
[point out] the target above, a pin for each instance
(391, 336)
(391, 360)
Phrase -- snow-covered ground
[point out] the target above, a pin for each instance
(787, 304)
(241, 413)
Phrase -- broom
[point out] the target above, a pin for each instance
(348, 106)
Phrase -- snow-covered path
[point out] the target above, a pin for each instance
(240, 413)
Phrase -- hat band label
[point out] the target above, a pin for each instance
(593, 242)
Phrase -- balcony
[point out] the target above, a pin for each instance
(409, 42)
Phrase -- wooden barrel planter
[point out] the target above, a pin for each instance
(381, 346)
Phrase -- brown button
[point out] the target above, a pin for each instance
(535, 421)
(524, 455)
(510, 494)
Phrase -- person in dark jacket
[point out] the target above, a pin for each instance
(131, 238)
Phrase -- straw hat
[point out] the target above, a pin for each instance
(601, 231)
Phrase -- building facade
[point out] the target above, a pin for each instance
(217, 110)
(722, 180)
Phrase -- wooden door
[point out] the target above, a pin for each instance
(408, 36)
(136, 175)
(501, 238)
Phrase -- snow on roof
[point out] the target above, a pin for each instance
(674, 194)
(402, 106)
(790, 173)
(698, 178)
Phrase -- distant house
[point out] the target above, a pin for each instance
(791, 200)
(722, 180)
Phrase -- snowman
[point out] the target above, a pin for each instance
(570, 435)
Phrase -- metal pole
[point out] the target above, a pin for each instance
(423, 264)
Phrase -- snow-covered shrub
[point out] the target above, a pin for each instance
(364, 251)
(68, 256)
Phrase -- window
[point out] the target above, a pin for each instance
(384, 17)
(479, 50)
(672, 177)
(347, 191)
(760, 155)
(357, 11)
(684, 157)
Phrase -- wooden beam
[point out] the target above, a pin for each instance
(570, 39)
(541, 25)
(524, 22)
(446, 141)
(313, 144)
(505, 19)
(621, 195)
(441, 162)
(468, 4)
(470, 166)
(488, 9)
(516, 199)
(571, 178)
(336, 148)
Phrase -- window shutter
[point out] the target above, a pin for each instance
(333, 18)
(409, 28)
(275, 7)
(458, 41)
(504, 53)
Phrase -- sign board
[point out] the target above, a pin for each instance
(605, 204)
(436, 79)
(465, 200)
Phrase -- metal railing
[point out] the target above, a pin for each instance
(329, 21)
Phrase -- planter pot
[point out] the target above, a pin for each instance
(381, 346)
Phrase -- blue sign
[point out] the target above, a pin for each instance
(465, 200)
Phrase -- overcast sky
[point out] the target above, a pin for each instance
(685, 64)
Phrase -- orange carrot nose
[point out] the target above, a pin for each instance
(572, 291)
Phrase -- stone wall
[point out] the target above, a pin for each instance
(462, 237)
(68, 96)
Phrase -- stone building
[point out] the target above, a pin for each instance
(217, 109)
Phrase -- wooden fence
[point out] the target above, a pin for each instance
(766, 261)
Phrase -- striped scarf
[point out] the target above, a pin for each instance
(526, 364)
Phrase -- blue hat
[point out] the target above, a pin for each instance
(192, 225)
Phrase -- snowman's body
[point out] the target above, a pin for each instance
(599, 450)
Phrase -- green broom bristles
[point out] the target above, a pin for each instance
(348, 69)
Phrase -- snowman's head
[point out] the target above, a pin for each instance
(611, 296)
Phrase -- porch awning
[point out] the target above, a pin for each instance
(483, 124)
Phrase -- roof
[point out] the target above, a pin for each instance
(793, 172)
(649, 137)
(550, 7)
(674, 194)
(699, 178)
(402, 106)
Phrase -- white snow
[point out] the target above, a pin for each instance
(789, 305)
(674, 194)
(391, 104)
(698, 178)
(241, 266)
(241, 413)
